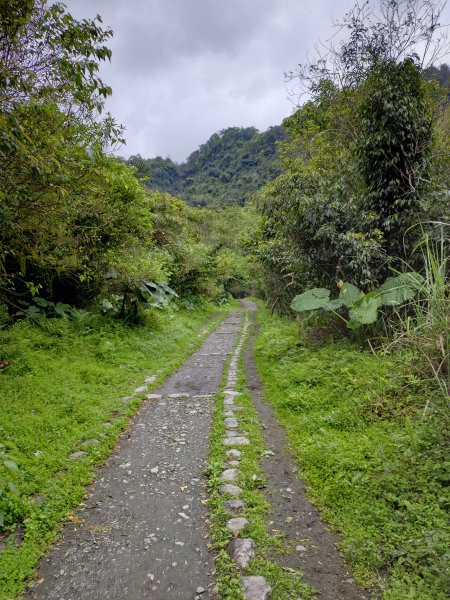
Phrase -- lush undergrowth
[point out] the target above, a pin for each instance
(68, 389)
(370, 439)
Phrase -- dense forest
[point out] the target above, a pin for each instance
(226, 170)
(338, 221)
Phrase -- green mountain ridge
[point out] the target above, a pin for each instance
(226, 170)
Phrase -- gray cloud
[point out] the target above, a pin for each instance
(184, 69)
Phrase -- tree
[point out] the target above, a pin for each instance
(67, 210)
(394, 149)
(361, 155)
(46, 54)
(383, 31)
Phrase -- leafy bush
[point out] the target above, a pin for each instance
(39, 307)
(366, 157)
(362, 309)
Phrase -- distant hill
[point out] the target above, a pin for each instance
(226, 170)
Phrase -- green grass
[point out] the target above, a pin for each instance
(286, 585)
(66, 379)
(370, 440)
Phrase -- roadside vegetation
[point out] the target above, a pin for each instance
(102, 282)
(371, 440)
(354, 244)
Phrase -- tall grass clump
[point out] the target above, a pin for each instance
(424, 324)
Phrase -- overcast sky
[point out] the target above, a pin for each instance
(182, 70)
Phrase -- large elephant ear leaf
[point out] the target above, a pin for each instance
(365, 310)
(311, 300)
(334, 304)
(168, 290)
(398, 290)
(349, 294)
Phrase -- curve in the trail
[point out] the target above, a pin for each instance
(142, 534)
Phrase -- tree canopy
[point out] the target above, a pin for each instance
(226, 170)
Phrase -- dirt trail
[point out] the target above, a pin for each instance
(143, 532)
(313, 547)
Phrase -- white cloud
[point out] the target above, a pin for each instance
(184, 69)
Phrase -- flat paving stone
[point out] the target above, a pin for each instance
(140, 389)
(233, 453)
(256, 588)
(231, 433)
(230, 488)
(242, 550)
(236, 524)
(229, 475)
(77, 455)
(92, 442)
(231, 423)
(234, 506)
(236, 441)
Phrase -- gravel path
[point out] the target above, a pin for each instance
(142, 533)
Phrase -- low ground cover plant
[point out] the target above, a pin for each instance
(370, 438)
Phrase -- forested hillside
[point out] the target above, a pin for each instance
(226, 170)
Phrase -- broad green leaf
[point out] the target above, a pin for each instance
(10, 464)
(142, 287)
(351, 324)
(107, 305)
(311, 300)
(334, 304)
(397, 290)
(349, 294)
(169, 290)
(42, 302)
(365, 310)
